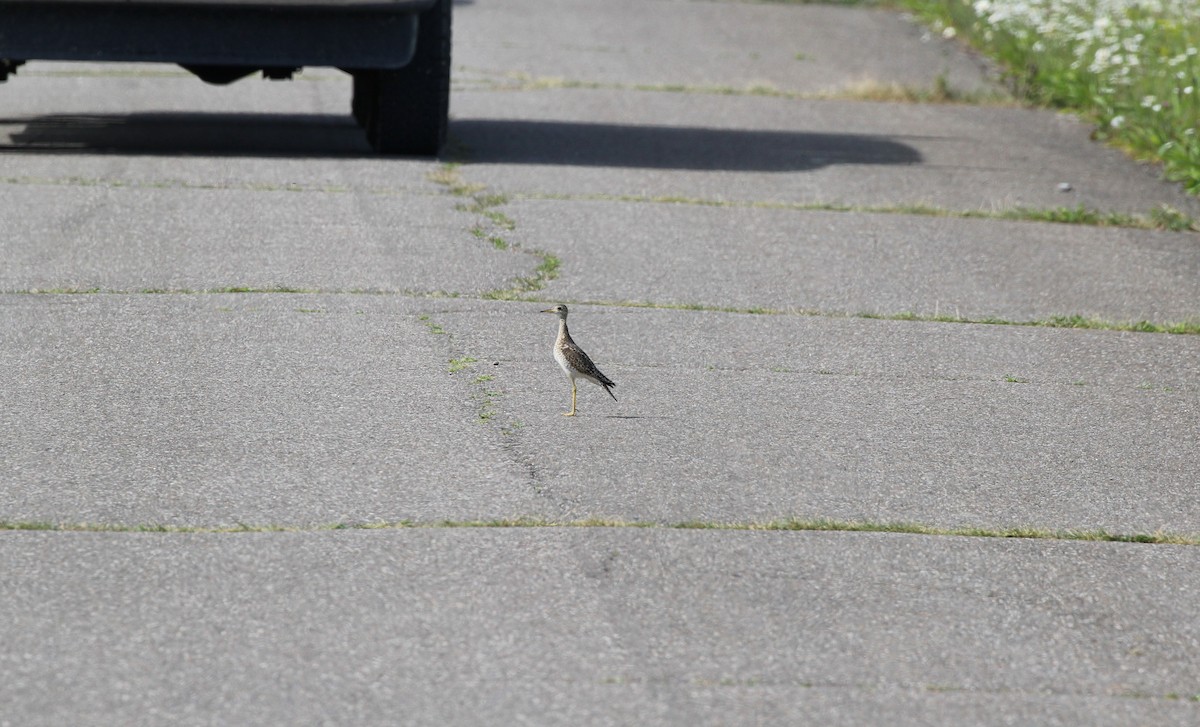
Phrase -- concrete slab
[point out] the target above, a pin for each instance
(114, 237)
(789, 47)
(594, 626)
(295, 409)
(834, 262)
(734, 417)
(746, 148)
(234, 408)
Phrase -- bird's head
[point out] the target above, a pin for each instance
(559, 310)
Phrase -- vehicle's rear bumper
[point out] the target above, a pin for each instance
(283, 33)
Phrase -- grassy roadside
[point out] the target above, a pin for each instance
(1129, 66)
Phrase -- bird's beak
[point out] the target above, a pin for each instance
(548, 310)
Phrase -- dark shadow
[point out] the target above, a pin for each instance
(484, 141)
(633, 416)
(669, 147)
(189, 133)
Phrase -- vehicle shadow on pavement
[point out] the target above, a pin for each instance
(188, 133)
(668, 147)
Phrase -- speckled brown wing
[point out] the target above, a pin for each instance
(583, 366)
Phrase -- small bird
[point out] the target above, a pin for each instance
(575, 363)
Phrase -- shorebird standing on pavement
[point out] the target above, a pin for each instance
(574, 361)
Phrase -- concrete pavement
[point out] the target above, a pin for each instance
(604, 626)
(217, 310)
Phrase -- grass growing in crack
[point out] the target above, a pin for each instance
(1024, 533)
(45, 526)
(484, 204)
(498, 218)
(448, 176)
(231, 289)
(1178, 328)
(782, 525)
(434, 328)
(485, 398)
(1075, 321)
(460, 364)
(941, 92)
(487, 405)
(251, 289)
(1164, 217)
(546, 271)
(868, 90)
(483, 234)
(183, 184)
(60, 291)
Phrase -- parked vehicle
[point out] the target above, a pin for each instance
(396, 51)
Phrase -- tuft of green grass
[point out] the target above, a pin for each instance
(499, 219)
(546, 271)
(1166, 217)
(497, 241)
(434, 328)
(459, 364)
(447, 175)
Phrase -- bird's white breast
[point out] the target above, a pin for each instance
(561, 358)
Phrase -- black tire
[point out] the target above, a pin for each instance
(409, 107)
(363, 102)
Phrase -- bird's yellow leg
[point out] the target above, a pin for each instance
(572, 412)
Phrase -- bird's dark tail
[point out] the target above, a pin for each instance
(608, 386)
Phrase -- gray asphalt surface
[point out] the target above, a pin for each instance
(219, 311)
(601, 627)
